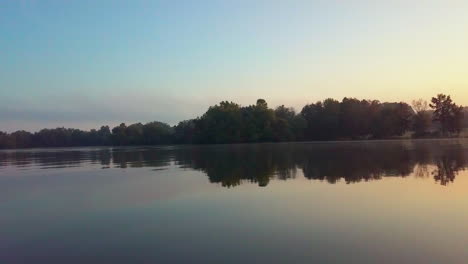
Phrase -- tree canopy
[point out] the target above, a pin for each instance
(447, 113)
(228, 122)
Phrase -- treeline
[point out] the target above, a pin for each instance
(229, 122)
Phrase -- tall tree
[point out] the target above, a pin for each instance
(447, 113)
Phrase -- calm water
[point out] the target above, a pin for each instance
(355, 202)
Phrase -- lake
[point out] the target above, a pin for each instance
(334, 202)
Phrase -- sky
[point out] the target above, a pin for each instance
(87, 63)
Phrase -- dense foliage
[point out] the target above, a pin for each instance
(447, 113)
(229, 122)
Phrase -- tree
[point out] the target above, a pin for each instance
(419, 105)
(465, 117)
(355, 118)
(119, 135)
(261, 103)
(312, 115)
(22, 139)
(330, 120)
(220, 124)
(323, 120)
(185, 132)
(104, 136)
(299, 124)
(3, 140)
(134, 134)
(283, 126)
(157, 133)
(286, 113)
(422, 118)
(257, 122)
(229, 122)
(447, 113)
(391, 119)
(263, 119)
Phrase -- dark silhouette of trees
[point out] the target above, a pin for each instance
(185, 132)
(134, 134)
(119, 135)
(220, 124)
(284, 128)
(257, 122)
(58, 137)
(228, 122)
(422, 118)
(391, 119)
(356, 119)
(465, 117)
(155, 133)
(331, 118)
(447, 114)
(21, 139)
(4, 138)
(322, 119)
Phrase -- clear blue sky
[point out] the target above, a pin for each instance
(86, 63)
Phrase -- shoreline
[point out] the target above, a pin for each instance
(246, 143)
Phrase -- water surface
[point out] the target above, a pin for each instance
(336, 202)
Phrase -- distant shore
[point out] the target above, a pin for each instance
(403, 138)
(231, 123)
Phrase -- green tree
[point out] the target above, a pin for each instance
(220, 124)
(257, 122)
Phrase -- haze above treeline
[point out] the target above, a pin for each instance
(228, 122)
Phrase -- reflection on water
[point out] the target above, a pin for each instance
(168, 204)
(230, 165)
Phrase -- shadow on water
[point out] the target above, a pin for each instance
(231, 165)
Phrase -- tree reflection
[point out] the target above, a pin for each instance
(232, 165)
(448, 164)
(355, 163)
